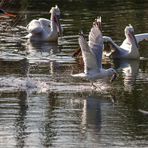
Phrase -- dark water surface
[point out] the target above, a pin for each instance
(41, 105)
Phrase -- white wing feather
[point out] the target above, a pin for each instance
(46, 25)
(92, 54)
(89, 59)
(45, 22)
(34, 26)
(96, 44)
(141, 37)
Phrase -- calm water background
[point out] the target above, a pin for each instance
(41, 105)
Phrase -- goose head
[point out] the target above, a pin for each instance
(55, 13)
(99, 23)
(129, 33)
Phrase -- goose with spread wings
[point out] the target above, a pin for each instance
(129, 49)
(92, 55)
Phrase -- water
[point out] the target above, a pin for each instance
(41, 105)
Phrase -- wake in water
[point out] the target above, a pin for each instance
(13, 83)
(40, 86)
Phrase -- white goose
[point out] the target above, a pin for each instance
(44, 29)
(92, 55)
(129, 48)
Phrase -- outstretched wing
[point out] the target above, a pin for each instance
(141, 37)
(96, 42)
(90, 62)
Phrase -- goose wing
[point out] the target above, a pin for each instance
(89, 59)
(34, 27)
(141, 37)
(96, 42)
(89, 53)
(46, 25)
(45, 22)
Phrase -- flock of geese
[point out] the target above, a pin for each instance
(43, 29)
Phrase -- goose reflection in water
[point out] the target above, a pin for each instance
(20, 123)
(93, 111)
(130, 69)
(43, 48)
(13, 65)
(91, 115)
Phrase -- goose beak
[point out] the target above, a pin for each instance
(114, 76)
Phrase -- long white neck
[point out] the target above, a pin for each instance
(131, 45)
(132, 41)
(53, 23)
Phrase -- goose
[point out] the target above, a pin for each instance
(92, 55)
(129, 49)
(43, 29)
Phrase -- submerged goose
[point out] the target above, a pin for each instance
(45, 29)
(129, 49)
(92, 55)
